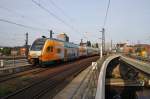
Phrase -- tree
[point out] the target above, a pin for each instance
(89, 43)
(6, 51)
(1, 50)
(96, 45)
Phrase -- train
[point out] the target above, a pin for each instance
(46, 51)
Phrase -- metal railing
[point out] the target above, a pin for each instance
(100, 93)
(12, 62)
(88, 85)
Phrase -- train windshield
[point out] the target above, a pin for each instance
(38, 45)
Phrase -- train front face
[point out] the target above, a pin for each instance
(35, 51)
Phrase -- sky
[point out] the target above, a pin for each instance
(128, 20)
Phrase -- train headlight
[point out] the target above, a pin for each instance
(40, 57)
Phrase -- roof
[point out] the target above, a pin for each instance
(142, 45)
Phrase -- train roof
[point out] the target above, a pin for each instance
(58, 40)
(71, 44)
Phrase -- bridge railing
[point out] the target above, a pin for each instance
(88, 86)
(100, 92)
(145, 59)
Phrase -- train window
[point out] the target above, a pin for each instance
(58, 50)
(38, 44)
(49, 49)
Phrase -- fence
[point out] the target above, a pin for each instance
(13, 62)
(88, 86)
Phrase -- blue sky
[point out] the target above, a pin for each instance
(127, 20)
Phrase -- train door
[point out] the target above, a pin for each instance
(65, 54)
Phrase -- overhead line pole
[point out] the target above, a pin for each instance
(111, 45)
(103, 29)
(103, 40)
(26, 45)
(102, 48)
(51, 34)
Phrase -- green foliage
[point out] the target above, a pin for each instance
(96, 45)
(6, 51)
(89, 43)
(0, 50)
(4, 90)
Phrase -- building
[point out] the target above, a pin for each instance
(22, 51)
(125, 48)
(19, 50)
(120, 47)
(142, 50)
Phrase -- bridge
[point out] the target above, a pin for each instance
(113, 77)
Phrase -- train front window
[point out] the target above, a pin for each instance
(38, 45)
(49, 49)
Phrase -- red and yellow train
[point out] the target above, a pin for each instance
(46, 51)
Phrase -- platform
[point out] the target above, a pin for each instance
(84, 85)
(69, 91)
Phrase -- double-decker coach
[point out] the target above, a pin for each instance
(46, 51)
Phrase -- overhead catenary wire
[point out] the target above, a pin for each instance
(11, 11)
(19, 14)
(106, 14)
(55, 16)
(22, 25)
(60, 9)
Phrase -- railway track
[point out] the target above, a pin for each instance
(32, 70)
(49, 82)
(17, 75)
(15, 72)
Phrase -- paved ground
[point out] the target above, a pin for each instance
(71, 88)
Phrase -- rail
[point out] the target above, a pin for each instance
(50, 81)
